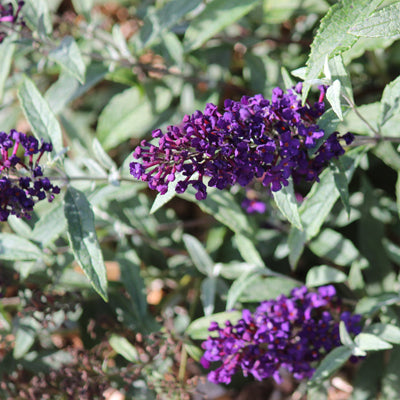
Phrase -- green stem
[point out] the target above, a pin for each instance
(377, 133)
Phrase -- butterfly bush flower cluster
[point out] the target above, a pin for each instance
(10, 16)
(290, 333)
(254, 138)
(21, 179)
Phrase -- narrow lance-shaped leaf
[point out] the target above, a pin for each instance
(318, 204)
(390, 102)
(7, 51)
(215, 17)
(286, 201)
(388, 332)
(239, 286)
(342, 185)
(199, 256)
(208, 292)
(37, 111)
(323, 274)
(335, 247)
(333, 96)
(332, 37)
(198, 329)
(69, 57)
(123, 347)
(331, 363)
(370, 342)
(14, 247)
(83, 239)
(340, 73)
(249, 252)
(130, 114)
(383, 23)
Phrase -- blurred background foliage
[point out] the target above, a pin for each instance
(141, 65)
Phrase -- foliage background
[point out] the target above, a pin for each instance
(96, 77)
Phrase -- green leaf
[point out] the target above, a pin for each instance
(382, 23)
(249, 252)
(198, 329)
(193, 351)
(372, 304)
(367, 382)
(388, 154)
(69, 57)
(333, 96)
(216, 16)
(19, 226)
(391, 377)
(392, 250)
(162, 199)
(342, 185)
(277, 12)
(133, 282)
(287, 79)
(318, 204)
(332, 37)
(83, 7)
(208, 292)
(155, 24)
(268, 287)
(371, 231)
(224, 208)
(345, 337)
(50, 226)
(390, 102)
(296, 241)
(7, 48)
(130, 114)
(323, 194)
(199, 256)
(387, 332)
(370, 342)
(14, 247)
(27, 330)
(286, 201)
(83, 239)
(335, 247)
(340, 73)
(331, 363)
(42, 120)
(102, 157)
(37, 16)
(67, 88)
(123, 347)
(323, 274)
(240, 285)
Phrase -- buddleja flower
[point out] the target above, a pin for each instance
(21, 182)
(252, 139)
(290, 333)
(10, 16)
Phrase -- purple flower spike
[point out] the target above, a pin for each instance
(250, 139)
(287, 333)
(19, 193)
